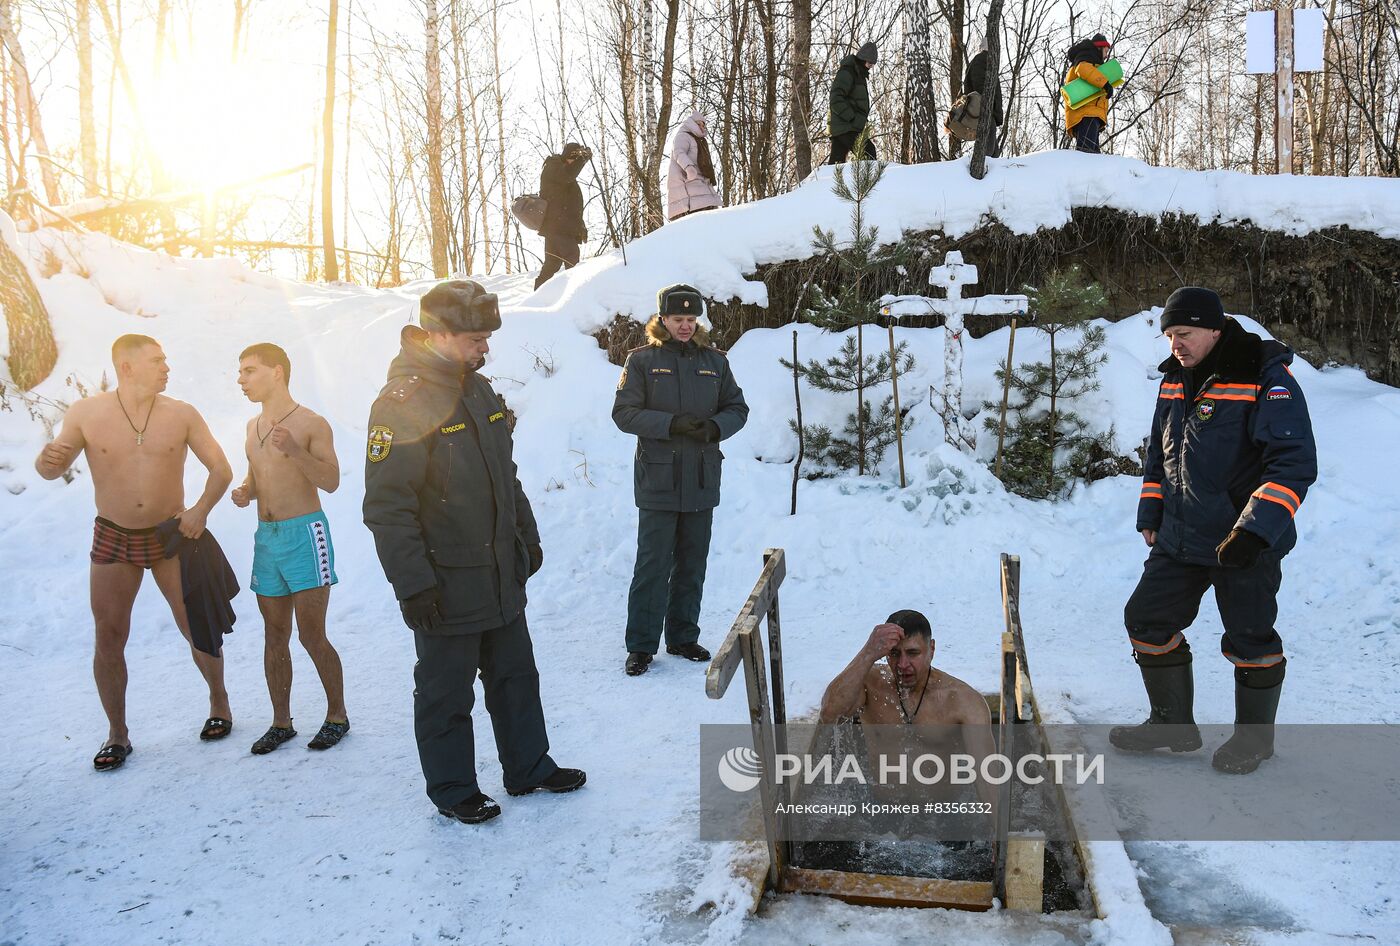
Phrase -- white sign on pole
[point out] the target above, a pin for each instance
(1259, 56)
(1309, 28)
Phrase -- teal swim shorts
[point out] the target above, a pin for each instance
(293, 555)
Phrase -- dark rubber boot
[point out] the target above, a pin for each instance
(1171, 725)
(1255, 709)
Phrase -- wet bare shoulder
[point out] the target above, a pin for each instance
(971, 705)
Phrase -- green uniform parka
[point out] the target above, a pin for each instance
(661, 380)
(441, 492)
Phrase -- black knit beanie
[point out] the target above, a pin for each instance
(1195, 307)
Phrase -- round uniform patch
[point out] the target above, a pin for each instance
(381, 440)
(1205, 410)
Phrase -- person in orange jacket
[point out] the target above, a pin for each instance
(1087, 121)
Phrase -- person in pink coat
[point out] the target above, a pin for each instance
(690, 182)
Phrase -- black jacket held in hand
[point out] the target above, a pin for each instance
(665, 379)
(1231, 448)
(208, 585)
(563, 217)
(441, 493)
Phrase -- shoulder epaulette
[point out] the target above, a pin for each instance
(633, 351)
(401, 389)
(719, 351)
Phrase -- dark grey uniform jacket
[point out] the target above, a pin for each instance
(660, 381)
(441, 493)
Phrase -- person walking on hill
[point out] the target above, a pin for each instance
(678, 396)
(690, 180)
(1086, 121)
(850, 105)
(973, 79)
(1229, 462)
(563, 228)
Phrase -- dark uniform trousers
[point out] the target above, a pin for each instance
(1168, 597)
(443, 697)
(669, 578)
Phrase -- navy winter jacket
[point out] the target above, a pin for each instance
(1233, 451)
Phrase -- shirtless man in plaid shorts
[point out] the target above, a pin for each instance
(136, 440)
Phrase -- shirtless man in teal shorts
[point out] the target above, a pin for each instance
(290, 458)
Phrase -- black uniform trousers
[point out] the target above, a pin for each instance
(559, 252)
(668, 580)
(842, 144)
(443, 696)
(1086, 134)
(1168, 598)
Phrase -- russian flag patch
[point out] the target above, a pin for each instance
(1278, 393)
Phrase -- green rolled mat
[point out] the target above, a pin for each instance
(1079, 91)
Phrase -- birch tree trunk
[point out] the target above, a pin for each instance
(919, 107)
(437, 199)
(463, 164)
(801, 111)
(87, 126)
(330, 265)
(24, 101)
(500, 129)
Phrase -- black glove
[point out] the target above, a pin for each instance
(707, 432)
(1240, 549)
(1108, 90)
(536, 558)
(684, 425)
(420, 610)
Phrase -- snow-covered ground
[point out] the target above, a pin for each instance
(205, 843)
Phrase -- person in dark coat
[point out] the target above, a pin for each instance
(457, 540)
(974, 78)
(850, 105)
(678, 396)
(563, 228)
(1229, 461)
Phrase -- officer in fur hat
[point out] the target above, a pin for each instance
(457, 540)
(678, 396)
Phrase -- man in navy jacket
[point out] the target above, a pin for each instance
(1229, 461)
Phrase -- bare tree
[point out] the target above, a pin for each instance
(331, 267)
(87, 126)
(801, 114)
(25, 103)
(437, 197)
(920, 113)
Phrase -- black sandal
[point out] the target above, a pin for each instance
(215, 727)
(111, 756)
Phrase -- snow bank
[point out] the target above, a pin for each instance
(718, 250)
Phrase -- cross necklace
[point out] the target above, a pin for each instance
(908, 717)
(262, 438)
(140, 434)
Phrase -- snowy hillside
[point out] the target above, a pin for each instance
(205, 843)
